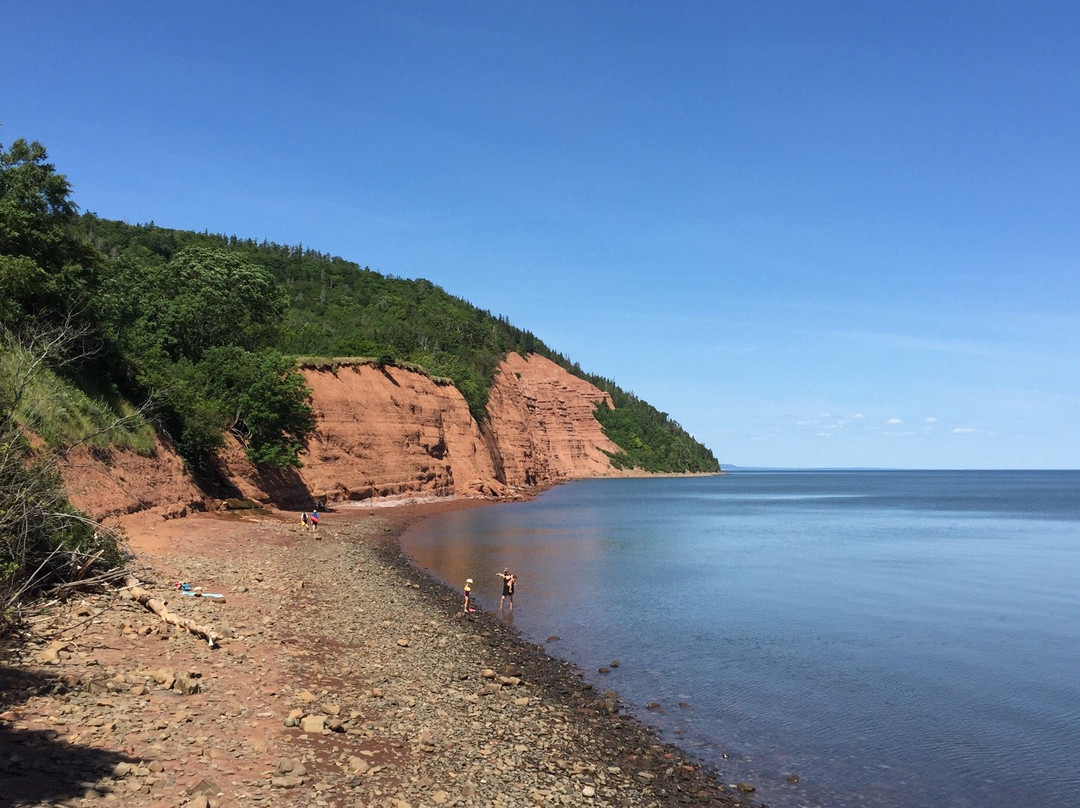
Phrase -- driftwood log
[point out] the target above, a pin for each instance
(158, 607)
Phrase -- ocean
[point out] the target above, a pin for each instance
(882, 638)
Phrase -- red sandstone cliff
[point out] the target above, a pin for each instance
(540, 418)
(384, 432)
(111, 483)
(389, 431)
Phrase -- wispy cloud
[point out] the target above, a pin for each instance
(894, 421)
(910, 342)
(962, 430)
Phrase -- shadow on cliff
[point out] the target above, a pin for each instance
(381, 366)
(286, 490)
(211, 479)
(37, 766)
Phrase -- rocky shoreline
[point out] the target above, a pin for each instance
(344, 677)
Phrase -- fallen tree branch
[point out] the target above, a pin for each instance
(158, 607)
(65, 589)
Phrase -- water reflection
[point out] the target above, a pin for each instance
(550, 560)
(898, 639)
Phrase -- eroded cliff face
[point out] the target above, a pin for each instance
(542, 424)
(114, 483)
(386, 432)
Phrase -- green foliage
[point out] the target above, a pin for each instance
(194, 328)
(34, 205)
(62, 415)
(21, 280)
(201, 298)
(43, 539)
(270, 402)
(648, 439)
(339, 309)
(336, 308)
(189, 412)
(47, 268)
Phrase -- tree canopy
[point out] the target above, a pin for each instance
(154, 318)
(47, 269)
(202, 298)
(198, 332)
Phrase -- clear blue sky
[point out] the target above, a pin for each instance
(815, 234)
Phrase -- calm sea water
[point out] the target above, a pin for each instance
(893, 638)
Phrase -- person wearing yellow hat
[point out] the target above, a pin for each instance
(468, 607)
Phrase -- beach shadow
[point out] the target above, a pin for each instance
(38, 766)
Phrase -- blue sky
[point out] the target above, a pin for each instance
(815, 234)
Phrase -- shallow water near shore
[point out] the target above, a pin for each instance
(893, 638)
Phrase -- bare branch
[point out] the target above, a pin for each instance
(43, 539)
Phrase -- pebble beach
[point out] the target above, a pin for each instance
(343, 677)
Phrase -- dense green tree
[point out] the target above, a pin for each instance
(195, 330)
(34, 202)
(648, 439)
(267, 401)
(47, 267)
(202, 298)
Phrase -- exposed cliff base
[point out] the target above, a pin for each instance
(382, 432)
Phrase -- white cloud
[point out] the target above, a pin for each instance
(894, 421)
(931, 420)
(908, 342)
(962, 430)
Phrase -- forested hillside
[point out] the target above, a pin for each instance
(208, 328)
(336, 309)
(207, 333)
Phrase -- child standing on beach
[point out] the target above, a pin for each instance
(468, 596)
(314, 521)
